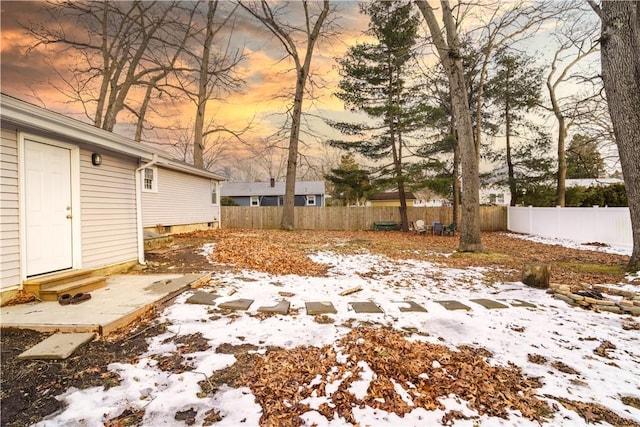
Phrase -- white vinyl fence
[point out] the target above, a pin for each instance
(583, 225)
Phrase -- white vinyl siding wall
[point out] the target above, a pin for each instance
(108, 210)
(181, 199)
(9, 211)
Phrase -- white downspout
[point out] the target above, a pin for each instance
(154, 160)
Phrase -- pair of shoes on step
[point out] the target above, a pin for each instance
(66, 299)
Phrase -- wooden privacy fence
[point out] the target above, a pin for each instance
(492, 218)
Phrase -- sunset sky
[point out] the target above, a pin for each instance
(261, 102)
(30, 78)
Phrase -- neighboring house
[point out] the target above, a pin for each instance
(495, 194)
(307, 193)
(428, 198)
(74, 196)
(592, 182)
(391, 198)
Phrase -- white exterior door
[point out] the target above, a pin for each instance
(47, 208)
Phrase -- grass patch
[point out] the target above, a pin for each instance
(492, 257)
(578, 267)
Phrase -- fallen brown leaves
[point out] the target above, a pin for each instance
(285, 252)
(175, 362)
(271, 254)
(282, 380)
(595, 413)
(21, 297)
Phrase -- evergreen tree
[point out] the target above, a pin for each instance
(379, 79)
(534, 170)
(515, 89)
(351, 184)
(583, 158)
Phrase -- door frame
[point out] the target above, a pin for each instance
(76, 241)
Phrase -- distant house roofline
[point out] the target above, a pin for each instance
(262, 188)
(392, 195)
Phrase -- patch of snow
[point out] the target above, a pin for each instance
(553, 330)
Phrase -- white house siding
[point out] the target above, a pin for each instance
(9, 213)
(180, 199)
(108, 205)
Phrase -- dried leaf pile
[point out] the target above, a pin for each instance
(257, 252)
(505, 255)
(407, 375)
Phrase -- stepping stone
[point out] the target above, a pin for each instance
(236, 304)
(490, 304)
(58, 346)
(413, 306)
(320, 307)
(280, 308)
(201, 297)
(520, 303)
(365, 307)
(453, 305)
(286, 294)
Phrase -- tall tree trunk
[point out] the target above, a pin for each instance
(510, 173)
(203, 80)
(456, 182)
(562, 162)
(621, 76)
(449, 52)
(288, 212)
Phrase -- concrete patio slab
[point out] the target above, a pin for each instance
(125, 298)
(320, 307)
(58, 346)
(236, 304)
(490, 304)
(280, 308)
(413, 306)
(453, 305)
(201, 297)
(164, 286)
(365, 307)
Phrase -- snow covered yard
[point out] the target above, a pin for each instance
(519, 365)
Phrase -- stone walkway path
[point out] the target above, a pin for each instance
(327, 307)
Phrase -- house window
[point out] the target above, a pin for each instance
(150, 180)
(255, 201)
(214, 192)
(311, 200)
(496, 198)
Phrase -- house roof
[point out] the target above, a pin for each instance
(239, 189)
(392, 195)
(36, 119)
(592, 182)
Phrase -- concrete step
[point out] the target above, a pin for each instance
(37, 284)
(83, 285)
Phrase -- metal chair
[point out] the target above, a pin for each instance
(438, 228)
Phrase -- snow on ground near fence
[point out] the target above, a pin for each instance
(553, 330)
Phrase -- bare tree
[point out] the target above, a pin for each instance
(504, 23)
(300, 51)
(209, 68)
(117, 44)
(576, 41)
(620, 56)
(271, 157)
(178, 140)
(447, 44)
(593, 120)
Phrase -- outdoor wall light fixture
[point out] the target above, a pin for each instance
(96, 159)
